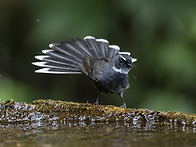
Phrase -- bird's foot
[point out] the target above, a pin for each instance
(123, 106)
(96, 103)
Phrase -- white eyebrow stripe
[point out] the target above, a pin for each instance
(116, 47)
(134, 59)
(123, 57)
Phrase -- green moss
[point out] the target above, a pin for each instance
(61, 111)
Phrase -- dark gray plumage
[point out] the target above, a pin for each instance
(101, 62)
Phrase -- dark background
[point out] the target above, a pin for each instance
(160, 34)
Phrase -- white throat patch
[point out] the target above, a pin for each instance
(119, 70)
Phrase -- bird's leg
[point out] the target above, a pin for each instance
(124, 104)
(97, 101)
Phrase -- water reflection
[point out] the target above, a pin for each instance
(96, 134)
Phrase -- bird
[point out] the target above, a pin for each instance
(103, 63)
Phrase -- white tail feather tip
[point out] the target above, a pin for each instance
(41, 64)
(127, 53)
(51, 45)
(116, 47)
(42, 70)
(46, 70)
(41, 57)
(89, 37)
(46, 51)
(102, 40)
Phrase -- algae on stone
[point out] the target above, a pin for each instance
(61, 111)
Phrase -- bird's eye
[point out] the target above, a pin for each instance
(121, 60)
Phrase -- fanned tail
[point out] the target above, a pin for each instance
(101, 48)
(66, 57)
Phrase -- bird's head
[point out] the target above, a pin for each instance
(123, 63)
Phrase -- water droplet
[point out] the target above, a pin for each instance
(37, 20)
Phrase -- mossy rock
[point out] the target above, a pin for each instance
(61, 111)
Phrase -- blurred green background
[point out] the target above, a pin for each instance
(160, 34)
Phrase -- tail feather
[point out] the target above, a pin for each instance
(69, 48)
(112, 51)
(82, 47)
(63, 57)
(56, 62)
(103, 46)
(48, 60)
(67, 52)
(52, 65)
(56, 71)
(93, 46)
(67, 57)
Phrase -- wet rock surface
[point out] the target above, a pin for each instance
(47, 111)
(58, 123)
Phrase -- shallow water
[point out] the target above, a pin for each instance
(95, 134)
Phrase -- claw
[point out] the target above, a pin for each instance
(124, 106)
(97, 101)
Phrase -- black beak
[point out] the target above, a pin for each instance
(130, 65)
